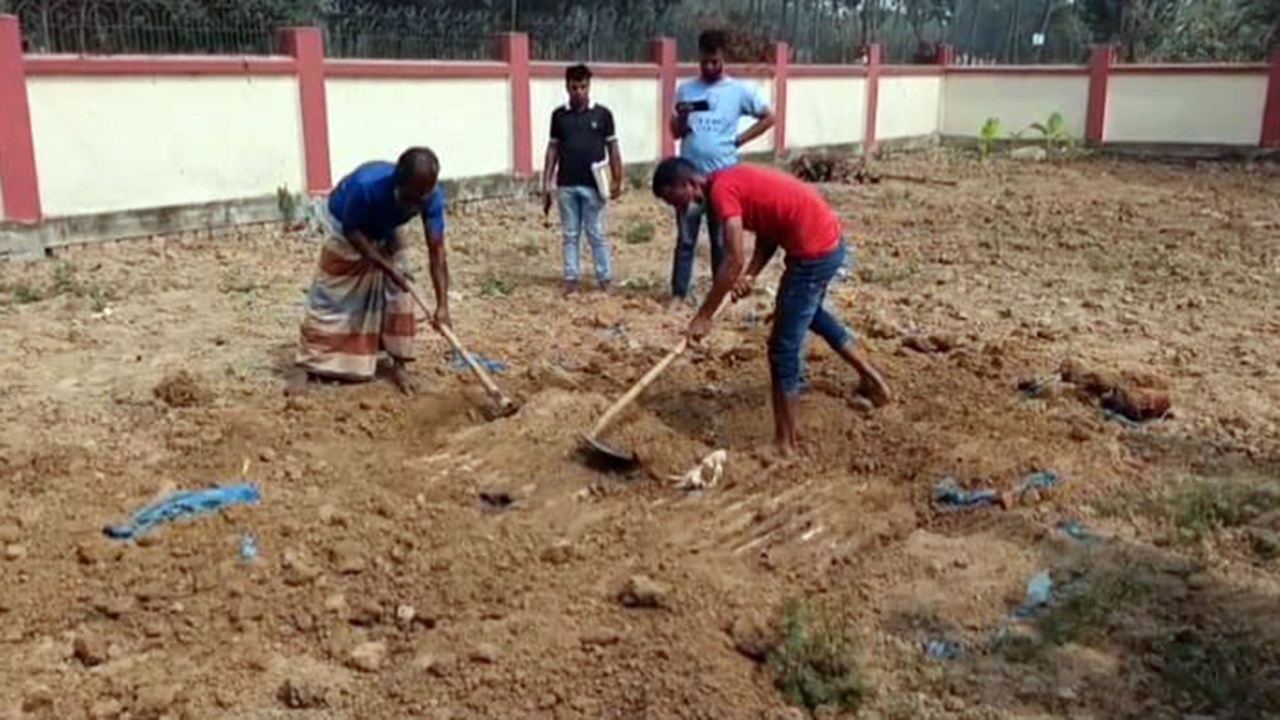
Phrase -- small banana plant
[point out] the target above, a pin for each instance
(991, 131)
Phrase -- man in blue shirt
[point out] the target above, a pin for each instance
(708, 110)
(358, 304)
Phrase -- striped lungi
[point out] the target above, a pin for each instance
(353, 311)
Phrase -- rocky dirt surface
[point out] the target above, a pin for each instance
(417, 560)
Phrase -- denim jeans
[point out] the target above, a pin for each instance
(801, 296)
(581, 208)
(688, 224)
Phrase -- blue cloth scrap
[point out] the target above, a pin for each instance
(496, 367)
(950, 496)
(1037, 481)
(1076, 530)
(1039, 593)
(183, 504)
(943, 649)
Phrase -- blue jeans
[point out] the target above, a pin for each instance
(801, 295)
(688, 224)
(581, 208)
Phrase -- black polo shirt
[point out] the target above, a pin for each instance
(581, 137)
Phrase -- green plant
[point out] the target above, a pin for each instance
(1053, 132)
(495, 286)
(287, 203)
(531, 247)
(991, 131)
(639, 282)
(64, 280)
(639, 233)
(24, 294)
(813, 664)
(1203, 506)
(1089, 606)
(1223, 675)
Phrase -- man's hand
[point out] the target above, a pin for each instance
(397, 277)
(441, 319)
(615, 191)
(743, 287)
(698, 328)
(546, 203)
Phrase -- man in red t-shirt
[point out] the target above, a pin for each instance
(783, 212)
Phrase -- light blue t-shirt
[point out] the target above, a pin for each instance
(710, 142)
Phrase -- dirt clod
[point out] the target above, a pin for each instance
(439, 665)
(485, 654)
(106, 709)
(91, 650)
(154, 701)
(641, 591)
(347, 558)
(303, 693)
(1138, 404)
(367, 656)
(753, 637)
(182, 389)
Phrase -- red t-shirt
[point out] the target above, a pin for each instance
(776, 206)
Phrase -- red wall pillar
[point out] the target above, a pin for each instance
(946, 55)
(781, 68)
(1095, 125)
(306, 46)
(1271, 113)
(664, 56)
(515, 53)
(18, 182)
(875, 58)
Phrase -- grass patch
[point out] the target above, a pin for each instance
(813, 663)
(64, 282)
(1088, 608)
(639, 233)
(24, 294)
(531, 247)
(495, 286)
(1201, 506)
(1225, 676)
(641, 283)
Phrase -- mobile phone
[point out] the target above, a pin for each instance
(692, 107)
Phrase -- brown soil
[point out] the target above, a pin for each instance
(419, 561)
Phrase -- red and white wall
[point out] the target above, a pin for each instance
(161, 137)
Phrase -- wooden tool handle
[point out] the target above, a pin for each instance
(639, 387)
(485, 380)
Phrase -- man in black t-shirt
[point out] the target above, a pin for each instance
(582, 134)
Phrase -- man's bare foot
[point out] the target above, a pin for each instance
(874, 388)
(570, 287)
(779, 454)
(402, 380)
(297, 383)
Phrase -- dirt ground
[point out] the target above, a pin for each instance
(416, 560)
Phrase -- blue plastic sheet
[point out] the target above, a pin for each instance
(1039, 593)
(496, 367)
(943, 649)
(186, 503)
(948, 494)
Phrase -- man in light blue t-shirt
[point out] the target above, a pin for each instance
(708, 111)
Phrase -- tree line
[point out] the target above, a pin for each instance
(982, 31)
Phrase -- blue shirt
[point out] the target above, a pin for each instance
(710, 143)
(365, 200)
